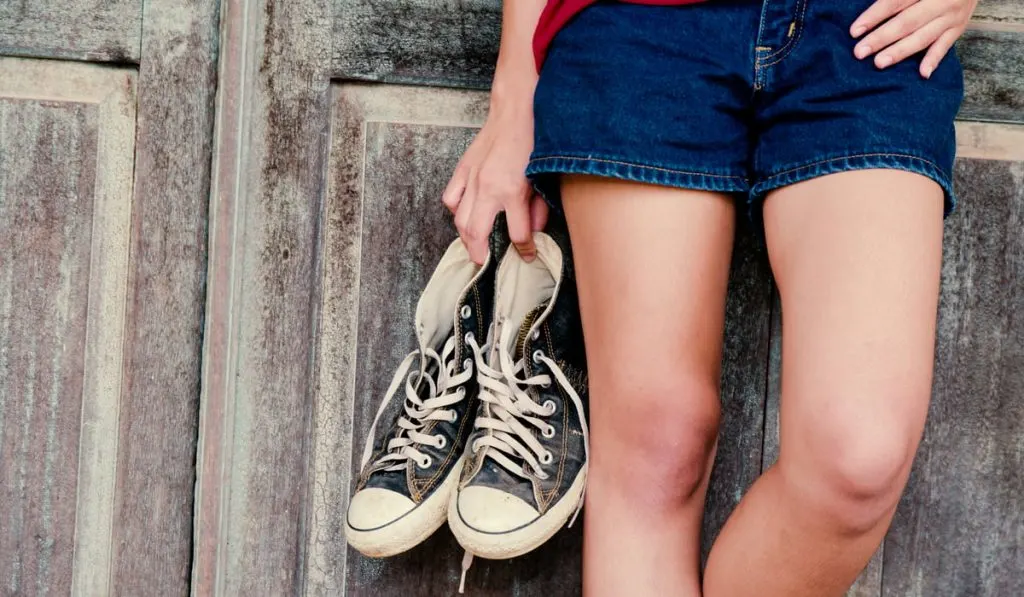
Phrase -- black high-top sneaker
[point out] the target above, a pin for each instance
(526, 462)
(413, 454)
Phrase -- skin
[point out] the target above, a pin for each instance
(858, 345)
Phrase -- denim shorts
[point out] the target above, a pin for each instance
(736, 96)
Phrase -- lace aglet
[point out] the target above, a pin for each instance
(467, 561)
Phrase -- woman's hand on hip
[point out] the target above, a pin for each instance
(902, 28)
(490, 179)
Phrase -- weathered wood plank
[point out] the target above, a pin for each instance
(110, 93)
(993, 75)
(355, 107)
(417, 41)
(1000, 11)
(47, 187)
(259, 371)
(152, 535)
(744, 383)
(93, 30)
(959, 529)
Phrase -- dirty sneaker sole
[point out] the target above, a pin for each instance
(410, 529)
(516, 542)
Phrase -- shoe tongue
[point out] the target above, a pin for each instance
(524, 332)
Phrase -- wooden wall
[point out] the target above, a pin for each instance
(200, 297)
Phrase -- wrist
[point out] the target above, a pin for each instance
(512, 89)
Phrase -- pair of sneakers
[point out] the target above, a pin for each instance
(484, 425)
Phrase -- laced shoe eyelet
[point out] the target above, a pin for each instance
(466, 311)
(455, 416)
(467, 364)
(537, 356)
(535, 334)
(461, 391)
(546, 384)
(551, 406)
(547, 458)
(440, 442)
(548, 432)
(469, 337)
(426, 462)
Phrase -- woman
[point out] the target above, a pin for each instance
(831, 121)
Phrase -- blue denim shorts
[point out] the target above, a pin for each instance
(735, 96)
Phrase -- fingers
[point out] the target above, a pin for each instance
(520, 229)
(467, 215)
(938, 51)
(916, 42)
(899, 27)
(876, 13)
(452, 194)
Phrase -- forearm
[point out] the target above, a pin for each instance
(516, 75)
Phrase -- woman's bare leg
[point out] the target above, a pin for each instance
(652, 266)
(857, 258)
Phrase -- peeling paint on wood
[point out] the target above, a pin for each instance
(93, 30)
(259, 366)
(152, 536)
(110, 93)
(47, 186)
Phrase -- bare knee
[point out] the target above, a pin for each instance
(851, 471)
(653, 444)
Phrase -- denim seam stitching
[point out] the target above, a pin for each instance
(635, 165)
(858, 155)
(787, 49)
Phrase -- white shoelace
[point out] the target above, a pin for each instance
(512, 409)
(445, 391)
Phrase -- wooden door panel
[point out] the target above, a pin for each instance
(394, 149)
(93, 30)
(67, 134)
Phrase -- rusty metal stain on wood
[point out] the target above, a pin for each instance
(47, 186)
(94, 30)
(960, 526)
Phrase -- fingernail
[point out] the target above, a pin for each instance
(884, 61)
(926, 70)
(861, 51)
(858, 31)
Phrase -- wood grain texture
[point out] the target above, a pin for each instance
(1000, 11)
(47, 191)
(993, 75)
(417, 41)
(93, 30)
(110, 94)
(355, 108)
(152, 536)
(744, 379)
(959, 530)
(259, 373)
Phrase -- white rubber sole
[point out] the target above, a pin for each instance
(410, 530)
(501, 546)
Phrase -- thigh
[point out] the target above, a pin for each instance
(857, 258)
(652, 267)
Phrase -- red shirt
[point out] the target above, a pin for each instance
(559, 12)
